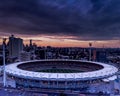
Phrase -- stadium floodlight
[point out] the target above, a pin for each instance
(90, 46)
(4, 71)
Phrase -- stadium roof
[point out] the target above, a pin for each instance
(107, 71)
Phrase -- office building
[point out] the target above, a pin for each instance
(15, 46)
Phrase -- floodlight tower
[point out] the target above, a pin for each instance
(4, 71)
(90, 47)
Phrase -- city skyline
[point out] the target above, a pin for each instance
(59, 23)
(60, 41)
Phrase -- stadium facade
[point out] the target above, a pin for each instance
(60, 74)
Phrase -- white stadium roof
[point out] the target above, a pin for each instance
(107, 71)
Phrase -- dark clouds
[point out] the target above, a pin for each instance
(85, 19)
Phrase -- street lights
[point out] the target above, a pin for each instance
(4, 73)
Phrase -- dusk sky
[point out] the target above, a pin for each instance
(62, 23)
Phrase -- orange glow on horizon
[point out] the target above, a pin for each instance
(67, 41)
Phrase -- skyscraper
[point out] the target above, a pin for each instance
(15, 46)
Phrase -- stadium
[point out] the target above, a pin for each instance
(60, 74)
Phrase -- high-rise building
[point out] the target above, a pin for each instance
(15, 46)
